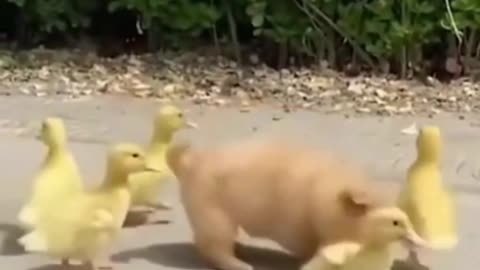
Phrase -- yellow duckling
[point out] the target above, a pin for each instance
(84, 225)
(58, 176)
(383, 227)
(146, 186)
(425, 199)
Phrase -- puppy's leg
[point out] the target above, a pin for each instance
(317, 262)
(215, 237)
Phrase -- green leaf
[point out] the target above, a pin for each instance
(424, 8)
(115, 5)
(258, 32)
(19, 3)
(257, 20)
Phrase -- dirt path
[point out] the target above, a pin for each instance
(378, 143)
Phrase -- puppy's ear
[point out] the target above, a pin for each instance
(356, 201)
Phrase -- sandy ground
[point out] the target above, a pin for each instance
(375, 142)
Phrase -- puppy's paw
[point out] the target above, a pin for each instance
(241, 266)
(316, 263)
(234, 264)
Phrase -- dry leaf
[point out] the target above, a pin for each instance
(410, 130)
(218, 81)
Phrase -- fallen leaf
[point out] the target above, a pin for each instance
(410, 130)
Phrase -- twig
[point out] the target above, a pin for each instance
(233, 30)
(460, 166)
(477, 51)
(354, 44)
(404, 51)
(395, 163)
(457, 32)
(215, 33)
(315, 24)
(476, 175)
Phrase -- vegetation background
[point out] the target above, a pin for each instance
(404, 37)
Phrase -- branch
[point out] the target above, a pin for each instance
(352, 42)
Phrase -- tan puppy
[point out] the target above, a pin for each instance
(276, 190)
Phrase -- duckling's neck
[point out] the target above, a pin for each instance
(428, 158)
(161, 137)
(115, 178)
(54, 153)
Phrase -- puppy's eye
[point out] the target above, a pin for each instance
(396, 223)
(135, 155)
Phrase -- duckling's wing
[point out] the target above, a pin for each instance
(50, 187)
(439, 227)
(101, 219)
(47, 190)
(145, 187)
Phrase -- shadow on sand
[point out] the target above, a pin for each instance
(184, 255)
(61, 267)
(139, 218)
(10, 234)
(408, 265)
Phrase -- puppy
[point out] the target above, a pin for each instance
(297, 197)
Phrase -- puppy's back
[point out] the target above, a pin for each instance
(278, 190)
(261, 183)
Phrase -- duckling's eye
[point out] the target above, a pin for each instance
(180, 115)
(135, 155)
(396, 223)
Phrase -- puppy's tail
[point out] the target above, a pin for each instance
(179, 157)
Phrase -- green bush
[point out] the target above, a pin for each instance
(43, 17)
(171, 17)
(391, 33)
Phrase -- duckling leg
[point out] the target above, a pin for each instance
(65, 263)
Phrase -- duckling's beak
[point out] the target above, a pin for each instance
(190, 124)
(413, 241)
(150, 169)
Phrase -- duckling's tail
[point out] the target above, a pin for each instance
(179, 158)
